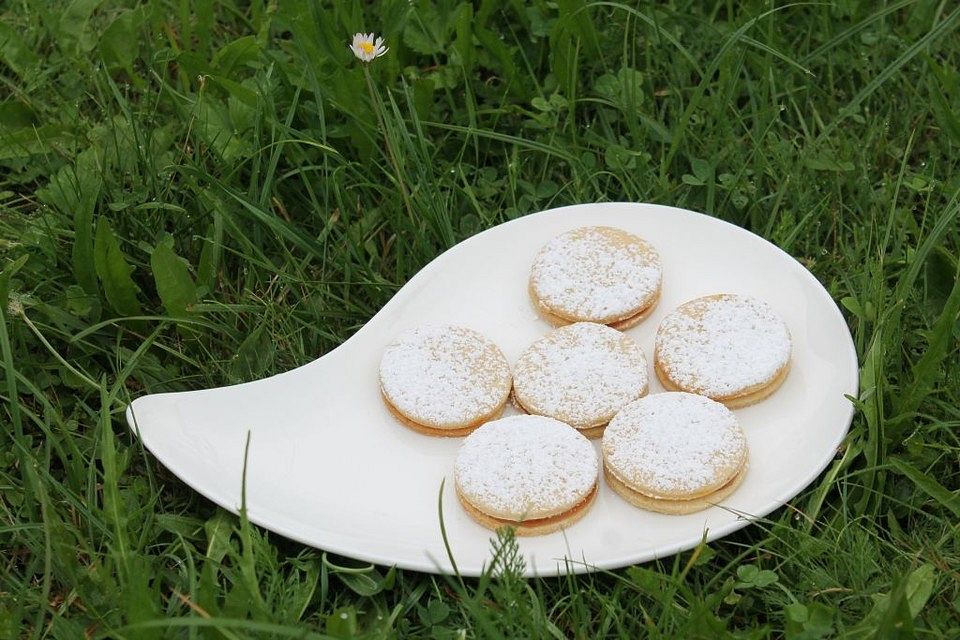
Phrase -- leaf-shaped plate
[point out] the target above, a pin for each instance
(330, 467)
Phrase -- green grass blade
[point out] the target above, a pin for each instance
(943, 496)
(938, 350)
(945, 27)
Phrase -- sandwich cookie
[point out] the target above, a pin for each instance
(532, 473)
(596, 274)
(444, 380)
(674, 453)
(731, 348)
(580, 374)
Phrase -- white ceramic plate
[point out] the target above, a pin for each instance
(329, 467)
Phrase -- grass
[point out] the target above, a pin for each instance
(199, 193)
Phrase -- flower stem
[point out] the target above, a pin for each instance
(391, 152)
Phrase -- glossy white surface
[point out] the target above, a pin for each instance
(328, 465)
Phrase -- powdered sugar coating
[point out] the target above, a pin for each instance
(599, 274)
(444, 376)
(582, 374)
(674, 445)
(722, 345)
(525, 467)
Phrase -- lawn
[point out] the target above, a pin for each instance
(194, 194)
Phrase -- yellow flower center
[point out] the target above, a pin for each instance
(366, 47)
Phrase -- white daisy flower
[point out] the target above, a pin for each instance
(366, 48)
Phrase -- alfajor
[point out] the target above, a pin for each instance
(596, 274)
(580, 374)
(444, 380)
(532, 473)
(674, 453)
(732, 348)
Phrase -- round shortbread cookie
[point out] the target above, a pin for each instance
(732, 348)
(444, 380)
(531, 472)
(596, 274)
(580, 374)
(674, 447)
